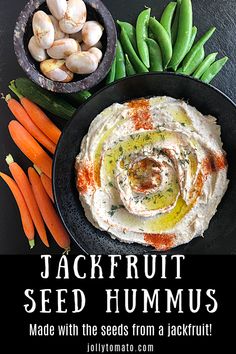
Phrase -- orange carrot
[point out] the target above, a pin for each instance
(38, 116)
(48, 212)
(26, 190)
(29, 146)
(41, 120)
(22, 116)
(47, 183)
(26, 219)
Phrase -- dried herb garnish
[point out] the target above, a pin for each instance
(114, 208)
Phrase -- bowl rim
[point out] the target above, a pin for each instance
(189, 78)
(84, 84)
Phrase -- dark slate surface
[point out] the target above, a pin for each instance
(221, 13)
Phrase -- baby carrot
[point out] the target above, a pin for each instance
(29, 146)
(48, 212)
(38, 116)
(23, 184)
(26, 219)
(22, 116)
(41, 120)
(47, 183)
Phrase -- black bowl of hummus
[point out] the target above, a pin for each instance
(144, 167)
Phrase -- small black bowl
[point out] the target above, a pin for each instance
(206, 99)
(23, 32)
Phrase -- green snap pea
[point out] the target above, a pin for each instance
(129, 67)
(129, 50)
(167, 17)
(196, 47)
(155, 55)
(120, 62)
(180, 71)
(199, 57)
(112, 73)
(175, 26)
(151, 35)
(193, 36)
(131, 32)
(205, 65)
(142, 35)
(184, 34)
(163, 39)
(213, 70)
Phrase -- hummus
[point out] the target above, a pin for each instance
(152, 171)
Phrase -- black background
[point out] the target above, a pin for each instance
(198, 272)
(220, 13)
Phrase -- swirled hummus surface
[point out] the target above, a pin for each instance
(152, 171)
